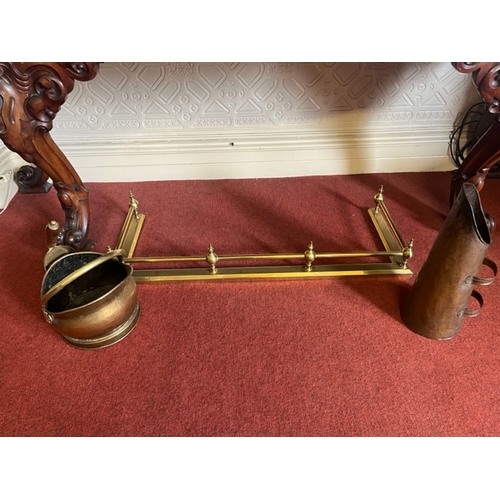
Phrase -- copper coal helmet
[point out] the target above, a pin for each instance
(90, 298)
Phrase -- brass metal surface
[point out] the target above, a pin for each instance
(396, 252)
(132, 227)
(107, 339)
(78, 273)
(266, 272)
(388, 233)
(90, 298)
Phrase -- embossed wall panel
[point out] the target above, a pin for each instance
(148, 97)
(239, 119)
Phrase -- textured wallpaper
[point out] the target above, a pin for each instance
(185, 97)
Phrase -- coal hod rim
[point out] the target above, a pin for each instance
(94, 289)
(70, 269)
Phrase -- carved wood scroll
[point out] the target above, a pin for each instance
(31, 94)
(486, 151)
(486, 77)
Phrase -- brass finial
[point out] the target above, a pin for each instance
(134, 204)
(212, 259)
(310, 256)
(52, 230)
(379, 198)
(53, 225)
(407, 254)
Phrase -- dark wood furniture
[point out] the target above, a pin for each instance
(31, 94)
(486, 151)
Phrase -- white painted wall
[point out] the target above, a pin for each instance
(155, 121)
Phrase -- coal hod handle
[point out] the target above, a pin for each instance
(78, 273)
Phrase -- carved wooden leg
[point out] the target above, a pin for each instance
(31, 94)
(72, 195)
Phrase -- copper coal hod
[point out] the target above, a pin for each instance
(90, 298)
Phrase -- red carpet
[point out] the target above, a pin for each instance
(275, 358)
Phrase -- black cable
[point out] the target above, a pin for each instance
(457, 148)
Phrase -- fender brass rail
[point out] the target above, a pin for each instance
(396, 252)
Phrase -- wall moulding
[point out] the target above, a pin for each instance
(254, 155)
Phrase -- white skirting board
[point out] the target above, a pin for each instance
(218, 156)
(257, 156)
